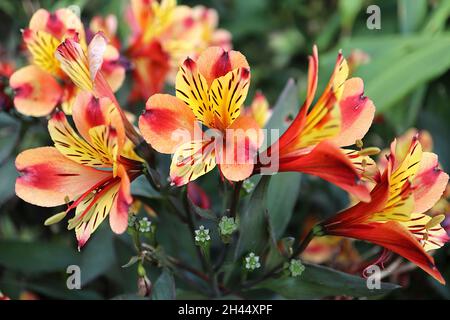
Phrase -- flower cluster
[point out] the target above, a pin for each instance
(72, 77)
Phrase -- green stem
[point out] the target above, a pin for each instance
(304, 244)
(235, 198)
(234, 203)
(190, 222)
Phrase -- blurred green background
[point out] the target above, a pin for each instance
(406, 76)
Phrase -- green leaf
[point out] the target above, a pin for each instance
(348, 10)
(253, 225)
(284, 187)
(164, 288)
(141, 187)
(58, 290)
(399, 64)
(395, 78)
(411, 14)
(204, 213)
(9, 133)
(98, 255)
(131, 262)
(9, 174)
(318, 282)
(438, 19)
(286, 106)
(37, 257)
(282, 196)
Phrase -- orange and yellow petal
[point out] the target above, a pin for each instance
(108, 25)
(215, 62)
(74, 62)
(324, 120)
(71, 145)
(88, 112)
(92, 211)
(151, 65)
(192, 89)
(70, 92)
(429, 183)
(112, 69)
(357, 113)
(49, 179)
(42, 47)
(118, 218)
(36, 92)
(260, 110)
(427, 230)
(294, 130)
(365, 165)
(57, 23)
(227, 95)
(242, 141)
(167, 123)
(192, 160)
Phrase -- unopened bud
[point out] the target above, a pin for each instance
(144, 286)
(227, 226)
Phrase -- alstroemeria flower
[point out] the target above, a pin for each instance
(42, 85)
(394, 219)
(211, 91)
(90, 170)
(84, 68)
(163, 33)
(259, 109)
(311, 143)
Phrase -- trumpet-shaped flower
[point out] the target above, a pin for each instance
(42, 85)
(90, 171)
(341, 115)
(212, 91)
(163, 33)
(410, 185)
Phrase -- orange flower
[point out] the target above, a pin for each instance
(91, 169)
(212, 91)
(409, 186)
(310, 145)
(42, 85)
(83, 67)
(163, 33)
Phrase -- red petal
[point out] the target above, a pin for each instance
(329, 163)
(393, 236)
